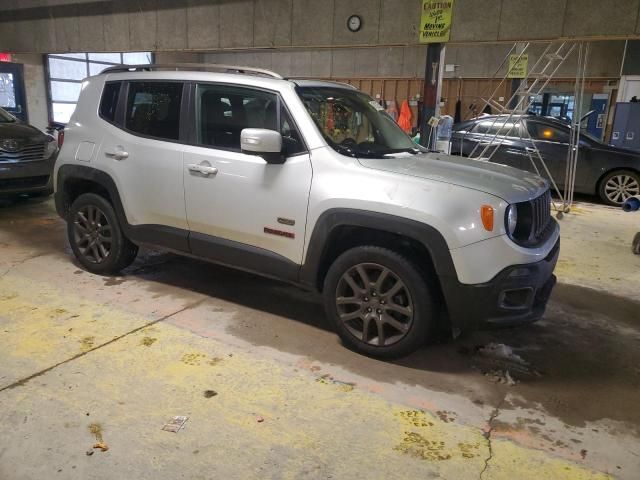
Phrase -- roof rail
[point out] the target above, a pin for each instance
(193, 66)
(303, 81)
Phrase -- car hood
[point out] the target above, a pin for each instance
(510, 184)
(19, 130)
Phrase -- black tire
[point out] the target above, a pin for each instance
(371, 314)
(609, 196)
(635, 245)
(88, 231)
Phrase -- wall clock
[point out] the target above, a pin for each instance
(354, 23)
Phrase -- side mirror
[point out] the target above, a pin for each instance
(263, 143)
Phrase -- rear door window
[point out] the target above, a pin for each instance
(497, 127)
(153, 109)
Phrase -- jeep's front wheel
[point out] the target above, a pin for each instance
(379, 302)
(96, 237)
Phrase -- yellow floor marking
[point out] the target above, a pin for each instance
(133, 386)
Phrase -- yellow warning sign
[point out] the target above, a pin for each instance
(435, 21)
(518, 65)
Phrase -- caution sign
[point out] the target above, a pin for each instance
(518, 65)
(435, 21)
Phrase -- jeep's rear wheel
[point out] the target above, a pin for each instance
(379, 302)
(96, 237)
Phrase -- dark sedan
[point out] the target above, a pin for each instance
(610, 172)
(27, 156)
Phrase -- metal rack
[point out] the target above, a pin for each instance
(533, 85)
(194, 66)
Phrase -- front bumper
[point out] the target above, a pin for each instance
(516, 295)
(26, 177)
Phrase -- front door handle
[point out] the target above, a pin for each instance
(117, 155)
(203, 169)
(530, 150)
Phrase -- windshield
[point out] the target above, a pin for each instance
(354, 124)
(5, 117)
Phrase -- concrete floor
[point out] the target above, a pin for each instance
(86, 358)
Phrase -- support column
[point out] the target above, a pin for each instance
(431, 93)
(545, 104)
(515, 85)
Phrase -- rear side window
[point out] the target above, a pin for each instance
(153, 109)
(109, 101)
(497, 127)
(463, 127)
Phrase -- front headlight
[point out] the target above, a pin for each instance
(50, 147)
(511, 219)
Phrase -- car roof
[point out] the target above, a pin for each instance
(322, 83)
(194, 75)
(229, 78)
(543, 119)
(229, 73)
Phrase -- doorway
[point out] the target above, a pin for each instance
(12, 94)
(553, 105)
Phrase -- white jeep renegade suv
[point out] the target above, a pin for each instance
(309, 182)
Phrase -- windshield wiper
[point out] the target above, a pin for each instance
(359, 152)
(413, 150)
(344, 150)
(356, 152)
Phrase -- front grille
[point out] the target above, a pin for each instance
(541, 215)
(25, 182)
(26, 153)
(534, 221)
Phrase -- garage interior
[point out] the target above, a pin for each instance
(268, 389)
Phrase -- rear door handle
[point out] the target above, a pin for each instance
(118, 155)
(203, 169)
(530, 150)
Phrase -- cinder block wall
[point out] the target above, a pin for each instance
(473, 61)
(162, 25)
(35, 88)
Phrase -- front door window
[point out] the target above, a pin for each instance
(222, 112)
(541, 131)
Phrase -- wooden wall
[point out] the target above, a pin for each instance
(468, 90)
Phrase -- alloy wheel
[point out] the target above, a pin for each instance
(374, 304)
(92, 234)
(621, 187)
